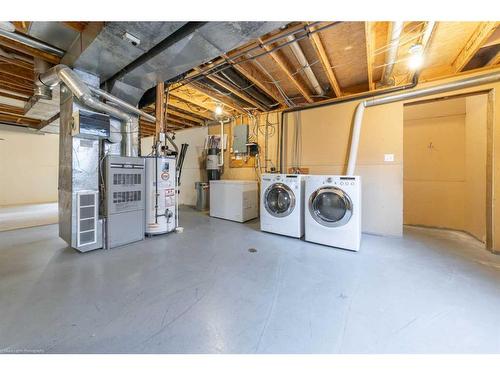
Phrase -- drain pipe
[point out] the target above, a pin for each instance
(407, 95)
(299, 54)
(392, 53)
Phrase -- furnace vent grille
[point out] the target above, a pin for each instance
(86, 218)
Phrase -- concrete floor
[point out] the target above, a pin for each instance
(202, 291)
(27, 215)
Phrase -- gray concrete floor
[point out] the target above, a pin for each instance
(203, 292)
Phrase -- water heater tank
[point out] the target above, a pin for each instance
(161, 197)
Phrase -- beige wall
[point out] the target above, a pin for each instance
(445, 164)
(434, 164)
(325, 137)
(28, 167)
(382, 133)
(325, 140)
(475, 165)
(193, 168)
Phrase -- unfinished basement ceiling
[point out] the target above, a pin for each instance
(256, 70)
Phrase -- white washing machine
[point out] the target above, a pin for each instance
(282, 204)
(333, 213)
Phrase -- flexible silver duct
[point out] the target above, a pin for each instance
(407, 95)
(392, 53)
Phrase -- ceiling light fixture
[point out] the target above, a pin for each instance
(416, 56)
(218, 110)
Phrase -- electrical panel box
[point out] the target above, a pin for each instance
(124, 200)
(240, 139)
(87, 124)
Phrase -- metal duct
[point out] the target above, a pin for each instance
(178, 35)
(358, 116)
(392, 53)
(109, 53)
(62, 73)
(299, 54)
(31, 42)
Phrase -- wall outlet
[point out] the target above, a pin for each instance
(388, 157)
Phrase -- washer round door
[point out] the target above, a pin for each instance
(279, 200)
(330, 206)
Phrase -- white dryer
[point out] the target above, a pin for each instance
(282, 204)
(333, 213)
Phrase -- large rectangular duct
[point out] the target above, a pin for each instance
(111, 51)
(78, 190)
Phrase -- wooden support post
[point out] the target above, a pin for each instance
(159, 109)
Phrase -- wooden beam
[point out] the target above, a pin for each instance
(179, 121)
(204, 98)
(17, 62)
(44, 123)
(253, 74)
(369, 37)
(29, 50)
(234, 90)
(482, 33)
(13, 96)
(159, 108)
(10, 109)
(152, 126)
(283, 66)
(21, 26)
(21, 120)
(325, 62)
(77, 26)
(217, 97)
(172, 111)
(494, 60)
(15, 89)
(16, 71)
(195, 110)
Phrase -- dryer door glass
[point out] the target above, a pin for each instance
(279, 200)
(330, 206)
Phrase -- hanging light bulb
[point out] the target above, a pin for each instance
(218, 110)
(416, 56)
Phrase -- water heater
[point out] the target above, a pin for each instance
(160, 186)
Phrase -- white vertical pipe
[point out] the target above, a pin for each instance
(356, 134)
(221, 163)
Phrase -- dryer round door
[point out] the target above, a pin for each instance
(279, 200)
(330, 206)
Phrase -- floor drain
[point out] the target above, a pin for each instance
(252, 250)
